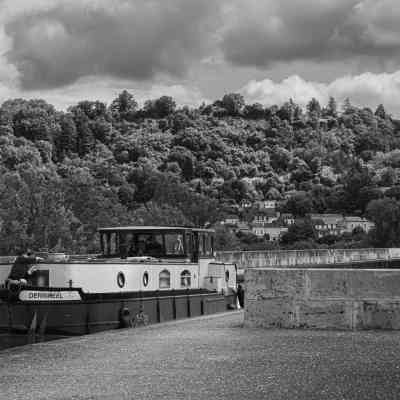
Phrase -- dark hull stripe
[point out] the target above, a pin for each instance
(89, 316)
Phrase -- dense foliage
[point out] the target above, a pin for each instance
(63, 174)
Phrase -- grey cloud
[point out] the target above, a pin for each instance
(127, 39)
(285, 31)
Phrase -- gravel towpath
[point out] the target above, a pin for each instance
(212, 357)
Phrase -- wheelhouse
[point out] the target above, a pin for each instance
(159, 242)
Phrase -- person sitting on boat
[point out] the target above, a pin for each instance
(141, 248)
(153, 247)
(178, 248)
(22, 268)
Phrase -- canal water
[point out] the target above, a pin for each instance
(13, 340)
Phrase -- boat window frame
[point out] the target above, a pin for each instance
(197, 243)
(185, 275)
(204, 241)
(167, 276)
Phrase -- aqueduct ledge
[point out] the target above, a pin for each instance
(326, 298)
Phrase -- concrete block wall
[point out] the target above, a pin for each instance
(322, 298)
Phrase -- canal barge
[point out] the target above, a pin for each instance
(144, 274)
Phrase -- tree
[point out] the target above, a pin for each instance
(101, 129)
(91, 109)
(348, 108)
(36, 120)
(331, 108)
(146, 182)
(126, 195)
(299, 204)
(254, 111)
(67, 140)
(233, 103)
(280, 158)
(180, 121)
(289, 111)
(160, 214)
(299, 231)
(313, 107)
(358, 188)
(185, 160)
(85, 138)
(385, 213)
(225, 239)
(159, 108)
(380, 111)
(124, 106)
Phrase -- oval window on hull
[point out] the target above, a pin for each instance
(145, 279)
(121, 279)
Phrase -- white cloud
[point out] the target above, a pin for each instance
(105, 89)
(364, 90)
(268, 92)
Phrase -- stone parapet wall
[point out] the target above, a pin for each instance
(322, 298)
(294, 258)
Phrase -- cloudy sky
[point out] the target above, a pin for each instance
(195, 50)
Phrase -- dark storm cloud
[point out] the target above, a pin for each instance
(261, 33)
(132, 39)
(56, 42)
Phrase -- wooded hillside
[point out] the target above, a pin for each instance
(64, 174)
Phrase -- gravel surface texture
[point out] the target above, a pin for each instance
(211, 357)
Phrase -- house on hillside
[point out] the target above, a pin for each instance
(287, 219)
(245, 204)
(326, 224)
(272, 232)
(230, 220)
(243, 227)
(266, 204)
(348, 224)
(266, 216)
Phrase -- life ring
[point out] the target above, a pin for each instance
(125, 318)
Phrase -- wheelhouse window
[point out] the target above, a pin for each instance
(150, 245)
(110, 243)
(174, 244)
(156, 242)
(136, 245)
(186, 279)
(205, 244)
(113, 244)
(130, 246)
(164, 279)
(208, 244)
(189, 243)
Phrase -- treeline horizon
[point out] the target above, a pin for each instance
(66, 173)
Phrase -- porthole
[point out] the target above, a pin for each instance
(227, 275)
(145, 278)
(121, 279)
